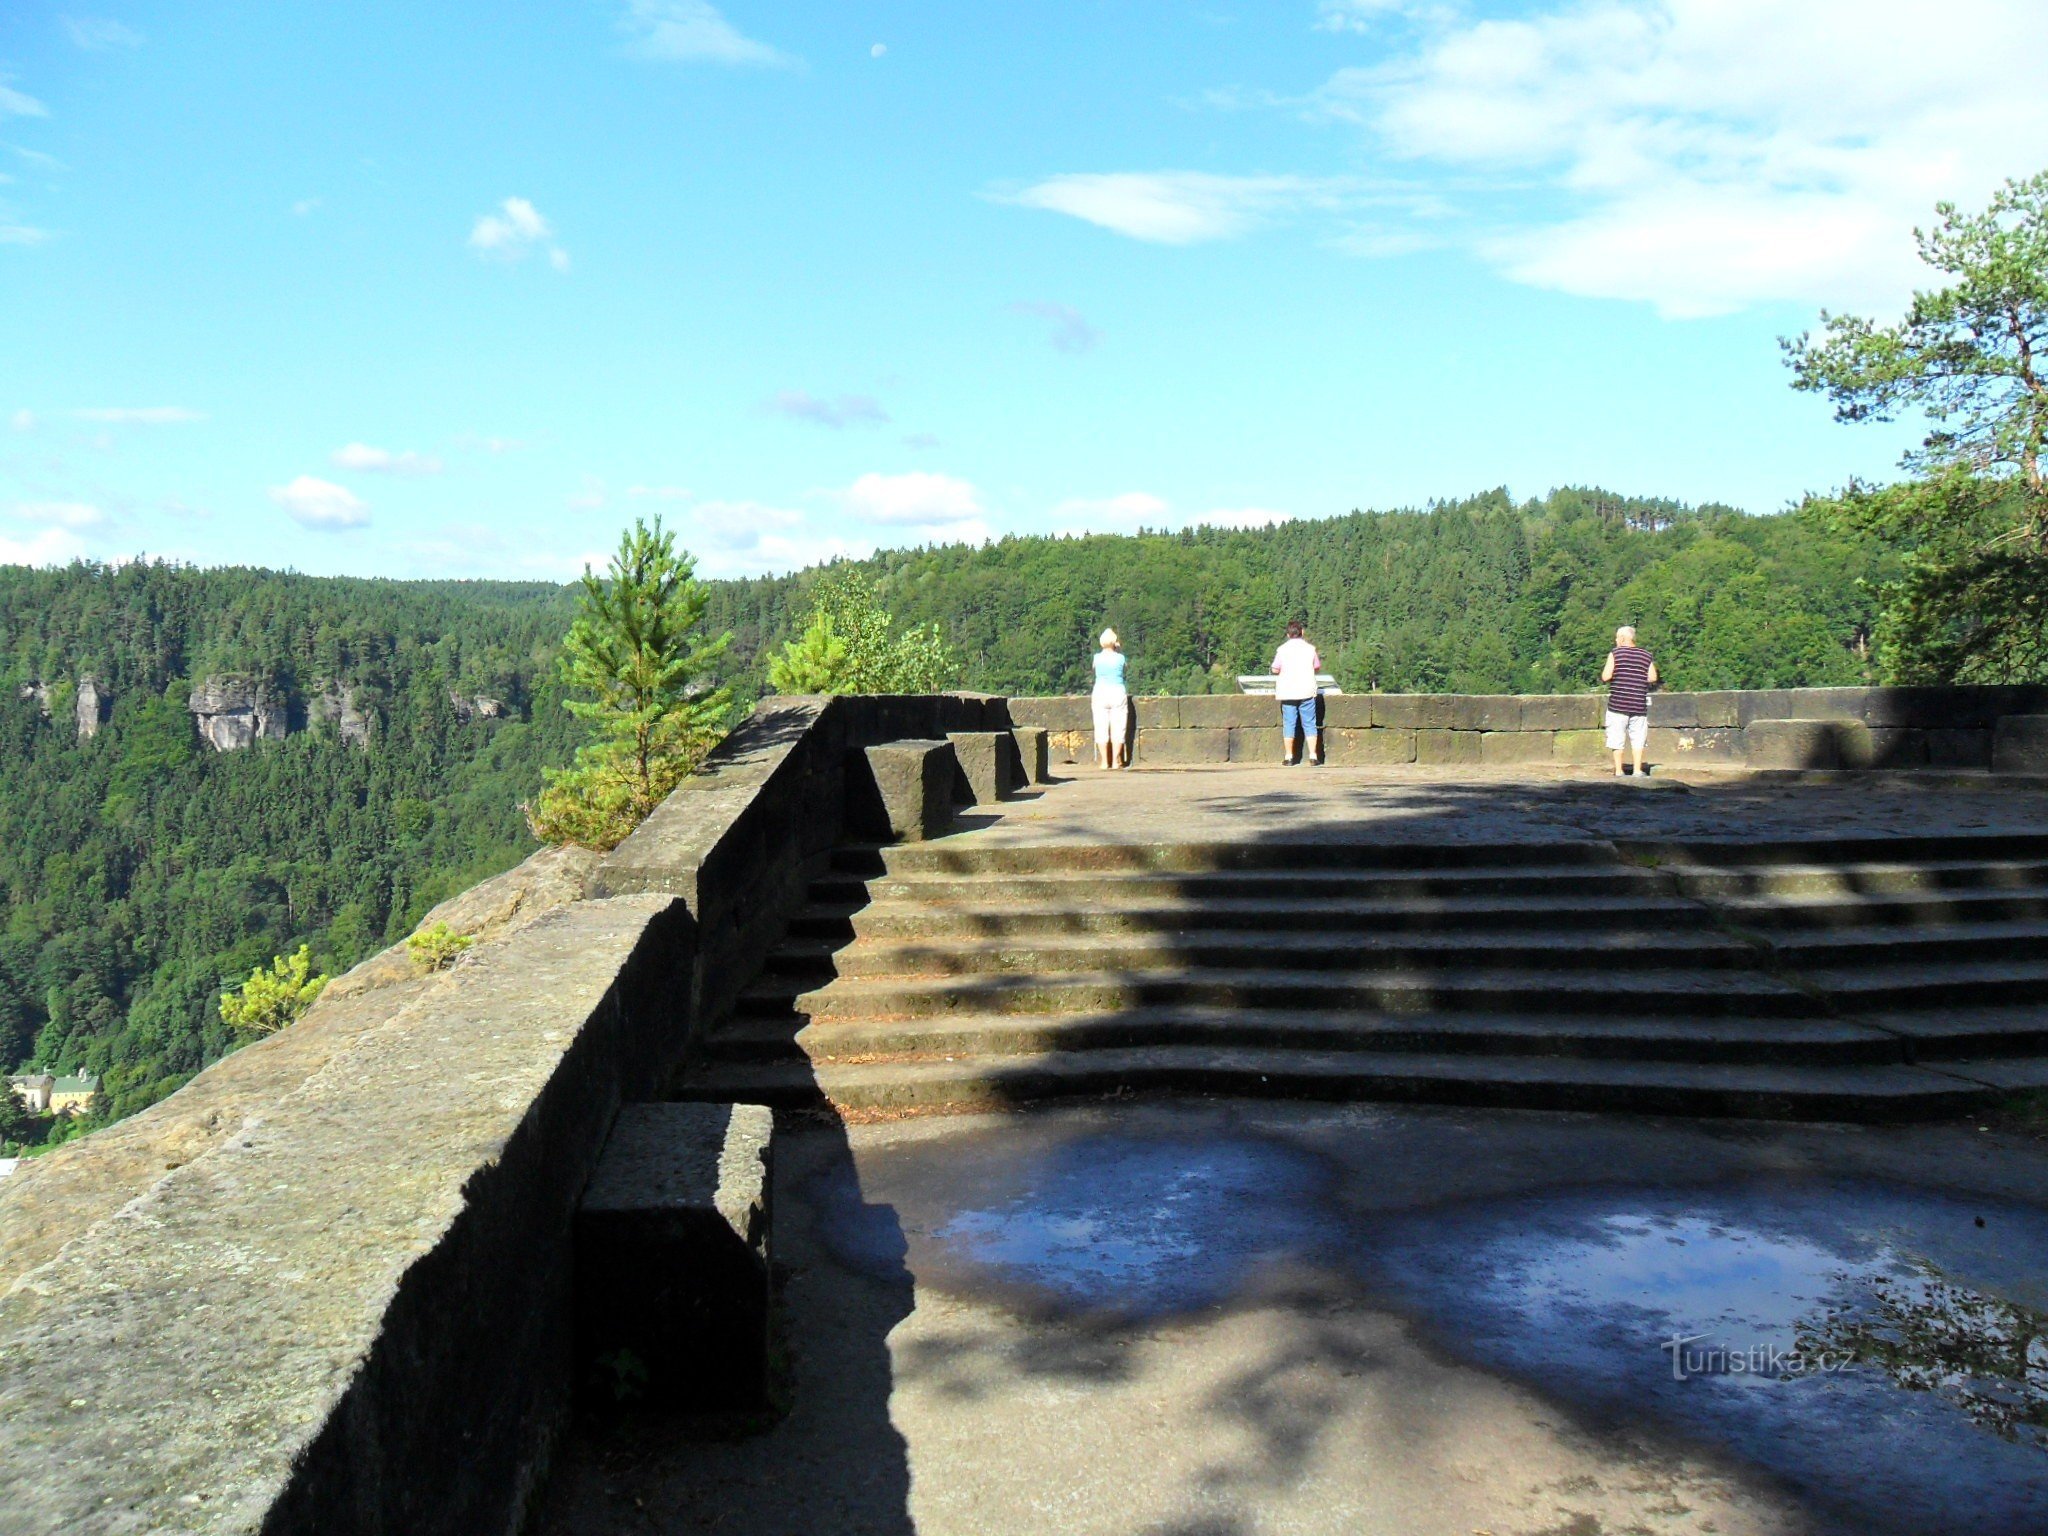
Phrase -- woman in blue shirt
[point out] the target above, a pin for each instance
(1111, 705)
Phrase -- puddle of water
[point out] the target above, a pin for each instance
(1816, 1334)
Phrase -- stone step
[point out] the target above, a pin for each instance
(1853, 879)
(985, 916)
(1854, 1093)
(959, 1036)
(1254, 853)
(1643, 990)
(1200, 950)
(1089, 888)
(1935, 908)
(1955, 944)
(1942, 1034)
(1865, 987)
(1924, 848)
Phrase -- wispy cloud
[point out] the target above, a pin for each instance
(1135, 510)
(59, 514)
(321, 504)
(514, 231)
(1177, 207)
(658, 492)
(752, 538)
(840, 411)
(21, 234)
(691, 31)
(98, 33)
(139, 415)
(305, 205)
(23, 421)
(52, 546)
(1368, 15)
(1070, 330)
(929, 507)
(382, 461)
(921, 441)
(14, 104)
(589, 498)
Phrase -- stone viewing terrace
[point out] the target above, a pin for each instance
(1206, 1147)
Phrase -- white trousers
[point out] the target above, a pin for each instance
(1112, 710)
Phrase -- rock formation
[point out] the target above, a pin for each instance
(90, 708)
(234, 712)
(342, 705)
(40, 692)
(476, 707)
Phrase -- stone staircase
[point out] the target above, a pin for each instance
(1873, 979)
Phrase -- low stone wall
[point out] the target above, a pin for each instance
(326, 1286)
(1865, 727)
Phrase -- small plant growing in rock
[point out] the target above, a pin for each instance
(273, 998)
(434, 949)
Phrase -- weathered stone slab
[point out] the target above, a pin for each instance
(1515, 746)
(1486, 712)
(1447, 747)
(900, 791)
(1578, 747)
(1412, 711)
(1791, 744)
(1675, 747)
(1863, 746)
(1069, 746)
(1198, 744)
(2020, 745)
(1562, 712)
(1228, 711)
(1157, 712)
(1958, 748)
(1347, 711)
(1680, 711)
(1032, 752)
(989, 769)
(1717, 711)
(1251, 745)
(1346, 745)
(1060, 712)
(672, 1260)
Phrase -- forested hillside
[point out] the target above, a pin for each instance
(1481, 596)
(141, 871)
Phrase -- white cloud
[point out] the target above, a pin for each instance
(691, 31)
(59, 514)
(382, 461)
(53, 546)
(140, 415)
(305, 205)
(590, 497)
(22, 234)
(96, 33)
(1241, 517)
(918, 498)
(321, 504)
(1070, 331)
(1366, 15)
(516, 229)
(844, 411)
(1704, 155)
(1176, 207)
(658, 492)
(878, 50)
(750, 538)
(1112, 514)
(23, 421)
(14, 104)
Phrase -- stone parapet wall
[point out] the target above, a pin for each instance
(1864, 727)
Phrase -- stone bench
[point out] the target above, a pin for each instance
(900, 791)
(990, 766)
(672, 1261)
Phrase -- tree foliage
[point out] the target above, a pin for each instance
(1973, 355)
(850, 644)
(274, 998)
(638, 655)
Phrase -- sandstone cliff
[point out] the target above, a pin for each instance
(234, 712)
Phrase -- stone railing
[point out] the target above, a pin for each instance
(1789, 728)
(327, 1285)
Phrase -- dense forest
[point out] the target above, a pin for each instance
(141, 872)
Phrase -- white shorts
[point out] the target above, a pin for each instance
(1636, 728)
(1112, 717)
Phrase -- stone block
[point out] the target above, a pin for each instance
(1675, 747)
(1717, 711)
(1347, 711)
(1197, 744)
(1344, 744)
(1958, 748)
(989, 769)
(1790, 744)
(1157, 712)
(1255, 746)
(1070, 746)
(1680, 711)
(1864, 746)
(1032, 752)
(2020, 745)
(1578, 747)
(672, 1260)
(1445, 747)
(901, 791)
(1060, 712)
(1228, 711)
(1562, 711)
(1412, 711)
(1486, 712)
(1515, 746)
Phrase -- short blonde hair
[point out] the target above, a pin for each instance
(1626, 635)
(1108, 638)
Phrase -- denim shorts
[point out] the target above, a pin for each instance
(1297, 712)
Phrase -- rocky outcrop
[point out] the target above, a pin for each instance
(40, 692)
(234, 713)
(477, 706)
(342, 707)
(90, 706)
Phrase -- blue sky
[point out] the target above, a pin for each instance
(460, 289)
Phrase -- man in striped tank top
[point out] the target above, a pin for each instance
(1630, 674)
